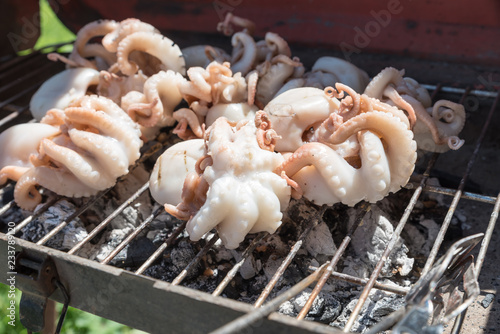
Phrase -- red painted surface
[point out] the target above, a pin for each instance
(458, 30)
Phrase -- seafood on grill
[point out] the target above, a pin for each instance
(83, 51)
(155, 106)
(380, 158)
(297, 113)
(233, 187)
(167, 54)
(436, 127)
(171, 169)
(327, 71)
(62, 89)
(18, 143)
(95, 143)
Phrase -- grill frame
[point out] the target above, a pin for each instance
(92, 278)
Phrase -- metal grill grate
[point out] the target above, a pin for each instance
(166, 305)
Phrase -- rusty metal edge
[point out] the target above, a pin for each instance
(145, 303)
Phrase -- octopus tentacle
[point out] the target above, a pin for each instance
(84, 168)
(163, 87)
(277, 45)
(441, 132)
(126, 27)
(187, 117)
(244, 63)
(58, 180)
(270, 83)
(226, 26)
(154, 44)
(11, 173)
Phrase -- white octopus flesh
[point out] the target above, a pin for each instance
(96, 145)
(62, 89)
(243, 194)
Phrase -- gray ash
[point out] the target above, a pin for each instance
(336, 300)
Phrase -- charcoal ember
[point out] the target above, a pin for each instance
(325, 308)
(68, 237)
(133, 214)
(181, 256)
(342, 319)
(162, 271)
(422, 235)
(488, 299)
(112, 240)
(134, 254)
(319, 242)
(385, 306)
(372, 237)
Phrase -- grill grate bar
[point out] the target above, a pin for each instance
(452, 192)
(6, 207)
(72, 216)
(20, 94)
(109, 218)
(458, 194)
(455, 90)
(336, 258)
(13, 115)
(26, 77)
(286, 262)
(195, 260)
(12, 63)
(390, 246)
(487, 235)
(363, 281)
(132, 235)
(237, 325)
(161, 249)
(230, 275)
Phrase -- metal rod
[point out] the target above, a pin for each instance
(72, 216)
(230, 275)
(237, 325)
(458, 194)
(195, 260)
(161, 249)
(457, 326)
(109, 218)
(452, 192)
(6, 207)
(477, 92)
(362, 281)
(13, 115)
(21, 93)
(390, 246)
(132, 235)
(14, 61)
(331, 265)
(286, 262)
(25, 77)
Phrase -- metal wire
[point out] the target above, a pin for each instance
(323, 273)
(458, 194)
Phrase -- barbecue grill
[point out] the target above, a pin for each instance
(130, 294)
